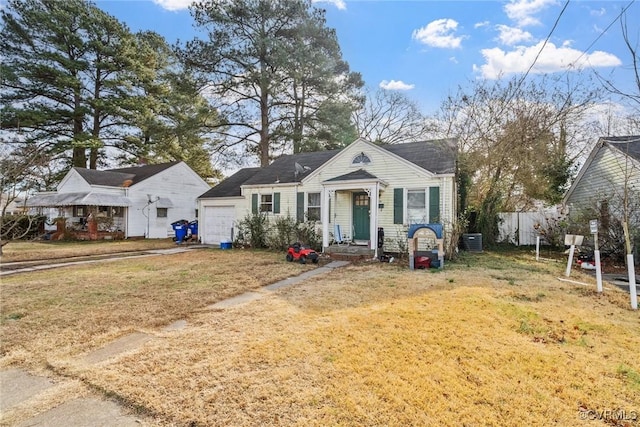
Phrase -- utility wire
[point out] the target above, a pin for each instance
(555, 24)
(524, 76)
(605, 30)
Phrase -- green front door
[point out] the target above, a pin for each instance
(361, 216)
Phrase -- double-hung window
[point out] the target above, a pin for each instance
(266, 203)
(313, 206)
(416, 207)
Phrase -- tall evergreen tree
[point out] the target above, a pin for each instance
(61, 83)
(79, 84)
(268, 73)
(322, 91)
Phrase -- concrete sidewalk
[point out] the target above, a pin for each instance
(21, 391)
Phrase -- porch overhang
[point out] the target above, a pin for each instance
(77, 199)
(359, 180)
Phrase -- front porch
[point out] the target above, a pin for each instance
(350, 212)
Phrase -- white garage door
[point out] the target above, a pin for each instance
(218, 222)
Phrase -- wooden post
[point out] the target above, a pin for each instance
(568, 271)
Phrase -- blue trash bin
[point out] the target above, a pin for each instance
(180, 228)
(193, 227)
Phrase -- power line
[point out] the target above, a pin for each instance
(555, 24)
(604, 31)
(524, 76)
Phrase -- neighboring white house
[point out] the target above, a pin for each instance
(362, 188)
(139, 201)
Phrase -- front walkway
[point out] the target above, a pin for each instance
(22, 392)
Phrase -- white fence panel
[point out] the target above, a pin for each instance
(518, 228)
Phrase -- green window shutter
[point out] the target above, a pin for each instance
(398, 205)
(434, 205)
(276, 203)
(300, 207)
(254, 204)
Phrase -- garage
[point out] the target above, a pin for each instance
(218, 224)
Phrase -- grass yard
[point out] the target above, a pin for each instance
(27, 251)
(494, 339)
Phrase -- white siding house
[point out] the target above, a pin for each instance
(139, 201)
(362, 188)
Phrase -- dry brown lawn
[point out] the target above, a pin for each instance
(494, 339)
(36, 250)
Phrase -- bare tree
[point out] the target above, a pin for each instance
(632, 47)
(390, 117)
(23, 168)
(518, 141)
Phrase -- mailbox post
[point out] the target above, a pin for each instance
(573, 240)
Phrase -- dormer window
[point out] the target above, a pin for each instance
(361, 160)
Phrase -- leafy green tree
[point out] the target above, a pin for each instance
(171, 120)
(323, 92)
(84, 89)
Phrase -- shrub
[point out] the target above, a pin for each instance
(307, 233)
(282, 233)
(252, 231)
(21, 226)
(553, 230)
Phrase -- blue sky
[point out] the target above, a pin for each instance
(428, 48)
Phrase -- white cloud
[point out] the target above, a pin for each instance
(453, 59)
(340, 4)
(439, 33)
(552, 59)
(511, 36)
(481, 24)
(395, 85)
(173, 4)
(598, 12)
(523, 11)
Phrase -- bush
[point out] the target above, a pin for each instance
(553, 230)
(282, 233)
(308, 234)
(25, 227)
(611, 238)
(252, 231)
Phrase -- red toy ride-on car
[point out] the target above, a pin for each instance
(298, 252)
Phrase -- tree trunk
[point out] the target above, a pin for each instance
(79, 155)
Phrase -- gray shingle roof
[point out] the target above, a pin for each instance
(283, 169)
(627, 144)
(118, 177)
(230, 187)
(437, 156)
(359, 174)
